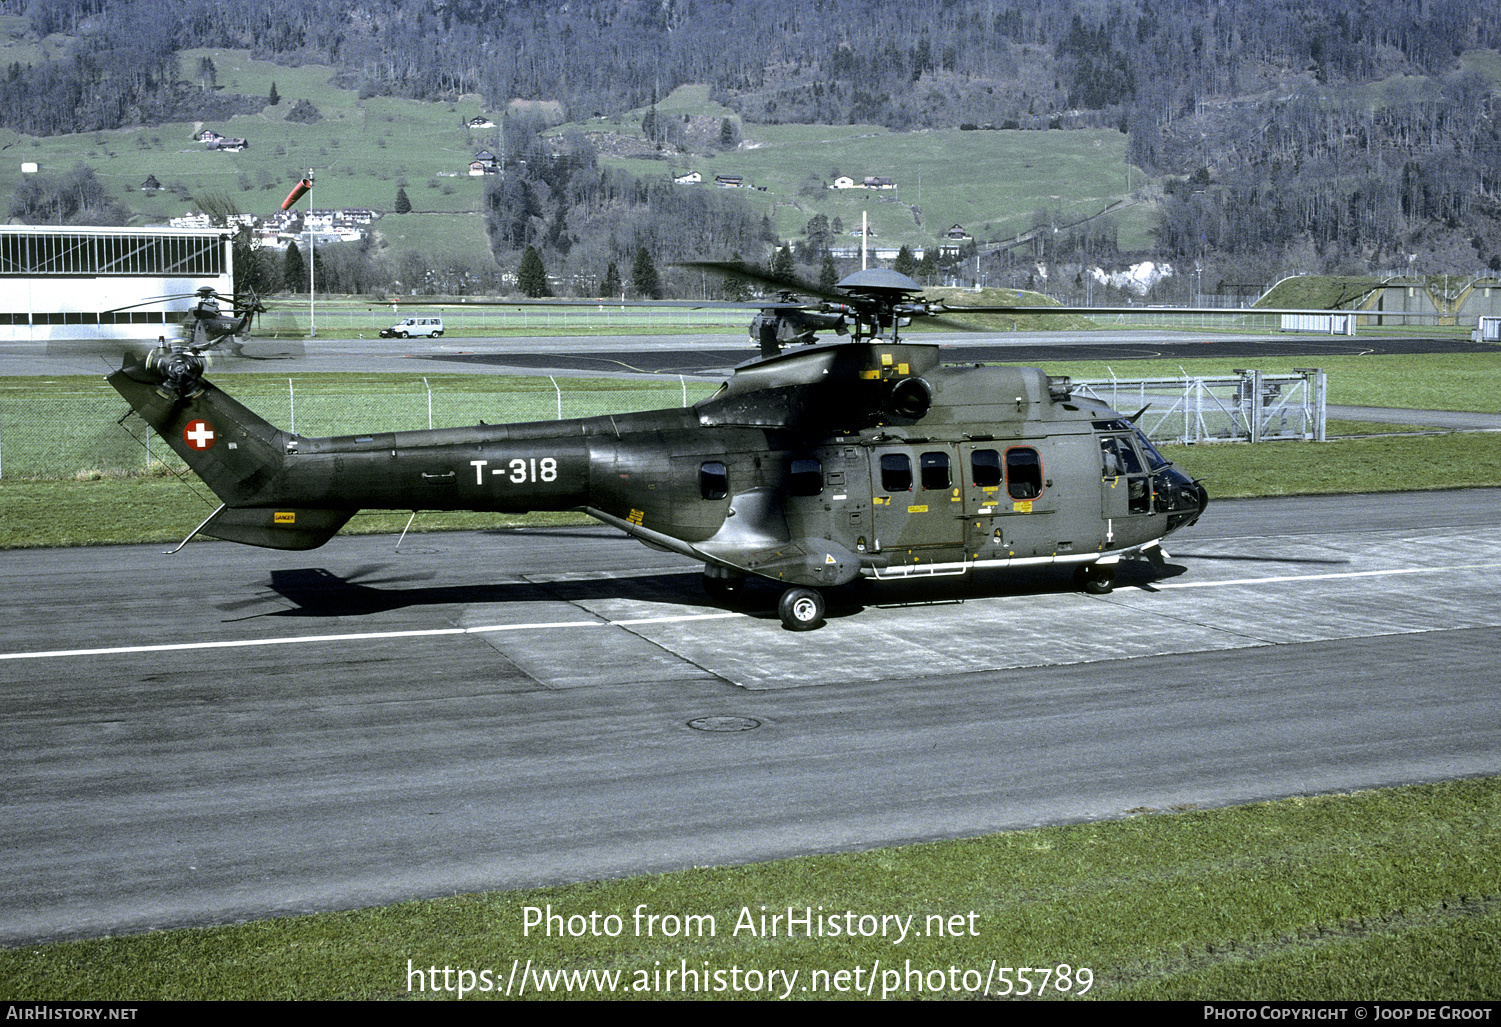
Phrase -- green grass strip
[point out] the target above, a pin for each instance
(1389, 894)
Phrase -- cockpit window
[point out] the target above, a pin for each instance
(1118, 456)
(1155, 460)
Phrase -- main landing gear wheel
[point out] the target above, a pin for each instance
(1094, 579)
(801, 609)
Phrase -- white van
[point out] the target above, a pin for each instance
(410, 326)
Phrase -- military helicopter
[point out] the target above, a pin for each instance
(810, 467)
(209, 325)
(206, 327)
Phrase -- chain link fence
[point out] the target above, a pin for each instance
(53, 430)
(50, 430)
(289, 318)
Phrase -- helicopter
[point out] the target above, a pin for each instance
(209, 325)
(214, 324)
(810, 467)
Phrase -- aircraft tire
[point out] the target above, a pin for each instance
(801, 609)
(1095, 580)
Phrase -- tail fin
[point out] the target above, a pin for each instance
(238, 454)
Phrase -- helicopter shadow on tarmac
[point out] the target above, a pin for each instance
(376, 588)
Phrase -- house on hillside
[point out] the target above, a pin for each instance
(151, 185)
(730, 181)
(953, 241)
(869, 182)
(481, 121)
(484, 163)
(687, 178)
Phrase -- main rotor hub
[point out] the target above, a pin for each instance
(877, 282)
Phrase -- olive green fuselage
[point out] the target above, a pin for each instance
(812, 467)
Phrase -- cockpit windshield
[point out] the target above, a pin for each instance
(1155, 460)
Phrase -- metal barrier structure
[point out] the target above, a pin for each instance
(1250, 406)
(86, 430)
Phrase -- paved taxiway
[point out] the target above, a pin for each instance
(233, 733)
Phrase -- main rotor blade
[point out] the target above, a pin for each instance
(733, 269)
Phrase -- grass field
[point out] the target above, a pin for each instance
(992, 183)
(1388, 895)
(363, 149)
(93, 483)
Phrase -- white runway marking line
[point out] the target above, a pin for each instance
(1327, 577)
(360, 636)
(668, 619)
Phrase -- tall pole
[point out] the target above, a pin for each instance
(297, 192)
(311, 260)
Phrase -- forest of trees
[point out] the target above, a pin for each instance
(582, 217)
(915, 64)
(1264, 115)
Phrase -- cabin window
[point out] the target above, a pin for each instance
(985, 468)
(935, 470)
(896, 472)
(805, 478)
(713, 480)
(1023, 473)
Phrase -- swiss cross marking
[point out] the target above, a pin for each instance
(199, 435)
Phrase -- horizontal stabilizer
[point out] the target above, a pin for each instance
(276, 527)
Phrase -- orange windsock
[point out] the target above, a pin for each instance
(296, 194)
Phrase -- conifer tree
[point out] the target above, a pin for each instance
(611, 286)
(644, 278)
(828, 274)
(904, 264)
(293, 270)
(531, 276)
(783, 268)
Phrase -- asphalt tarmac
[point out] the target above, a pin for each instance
(235, 733)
